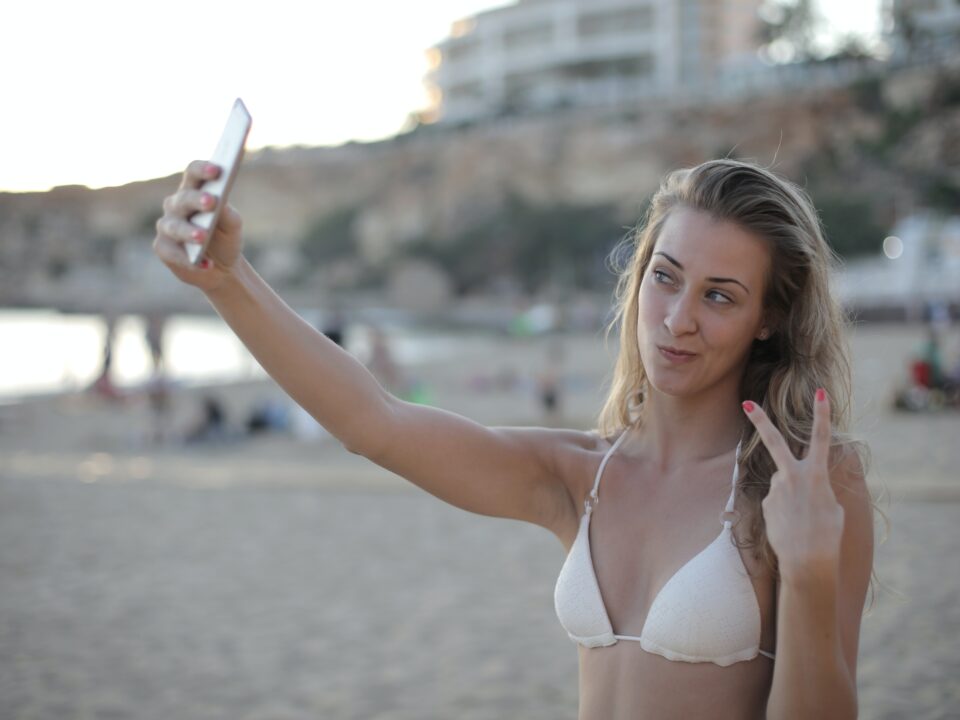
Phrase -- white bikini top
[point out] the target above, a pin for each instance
(707, 612)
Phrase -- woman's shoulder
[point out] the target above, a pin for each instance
(577, 453)
(564, 448)
(571, 448)
(589, 441)
(583, 452)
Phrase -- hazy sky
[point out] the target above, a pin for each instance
(106, 92)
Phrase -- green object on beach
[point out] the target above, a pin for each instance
(417, 393)
(520, 325)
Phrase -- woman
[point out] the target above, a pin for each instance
(734, 387)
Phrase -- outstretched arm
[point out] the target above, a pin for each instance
(504, 472)
(499, 471)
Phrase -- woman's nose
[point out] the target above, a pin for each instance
(681, 315)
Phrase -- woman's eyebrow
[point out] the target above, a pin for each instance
(711, 279)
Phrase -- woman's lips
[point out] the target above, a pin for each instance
(676, 358)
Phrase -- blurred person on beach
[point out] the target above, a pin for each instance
(931, 386)
(549, 382)
(154, 328)
(733, 363)
(104, 385)
(335, 326)
(381, 364)
(211, 425)
(158, 387)
(268, 415)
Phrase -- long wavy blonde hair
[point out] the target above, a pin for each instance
(808, 346)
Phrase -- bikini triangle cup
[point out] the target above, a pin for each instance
(706, 612)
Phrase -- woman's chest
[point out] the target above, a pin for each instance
(668, 571)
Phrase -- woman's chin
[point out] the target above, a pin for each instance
(673, 387)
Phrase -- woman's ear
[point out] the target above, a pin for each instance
(768, 324)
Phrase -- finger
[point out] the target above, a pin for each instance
(174, 256)
(180, 230)
(187, 202)
(198, 172)
(171, 252)
(819, 447)
(771, 437)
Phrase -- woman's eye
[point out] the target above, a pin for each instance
(721, 298)
(661, 277)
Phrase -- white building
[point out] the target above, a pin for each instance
(920, 266)
(540, 54)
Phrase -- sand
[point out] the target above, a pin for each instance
(277, 579)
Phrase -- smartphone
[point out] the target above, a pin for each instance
(228, 155)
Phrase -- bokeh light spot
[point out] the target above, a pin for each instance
(892, 247)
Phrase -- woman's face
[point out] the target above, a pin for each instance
(702, 293)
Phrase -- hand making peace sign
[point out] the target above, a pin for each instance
(804, 520)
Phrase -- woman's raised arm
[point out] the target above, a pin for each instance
(503, 472)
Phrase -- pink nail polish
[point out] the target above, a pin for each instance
(748, 406)
(821, 394)
(198, 235)
(205, 263)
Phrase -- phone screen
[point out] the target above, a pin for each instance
(228, 155)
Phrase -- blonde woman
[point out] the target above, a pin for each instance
(717, 524)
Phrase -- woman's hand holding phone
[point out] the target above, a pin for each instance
(199, 230)
(175, 231)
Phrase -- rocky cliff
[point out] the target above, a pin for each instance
(875, 137)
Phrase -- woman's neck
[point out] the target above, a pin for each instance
(681, 430)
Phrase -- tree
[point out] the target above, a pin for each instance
(789, 30)
(849, 223)
(330, 237)
(555, 243)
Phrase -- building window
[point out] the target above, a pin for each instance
(458, 51)
(617, 22)
(465, 91)
(636, 67)
(525, 38)
(522, 83)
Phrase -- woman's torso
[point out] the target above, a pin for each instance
(642, 530)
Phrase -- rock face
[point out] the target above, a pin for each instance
(438, 181)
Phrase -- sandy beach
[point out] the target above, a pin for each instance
(278, 579)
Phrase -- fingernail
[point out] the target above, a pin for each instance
(821, 394)
(205, 263)
(748, 406)
(210, 170)
(198, 235)
(206, 199)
